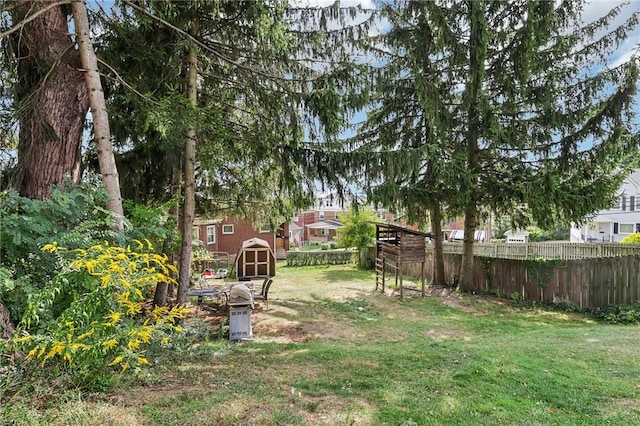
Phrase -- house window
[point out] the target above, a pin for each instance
(324, 231)
(625, 228)
(623, 203)
(321, 215)
(227, 229)
(196, 233)
(211, 234)
(632, 203)
(265, 229)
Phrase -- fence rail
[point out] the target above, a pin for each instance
(546, 250)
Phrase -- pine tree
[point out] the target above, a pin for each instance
(500, 106)
(259, 85)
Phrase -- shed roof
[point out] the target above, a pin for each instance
(252, 242)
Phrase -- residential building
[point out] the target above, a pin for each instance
(615, 223)
(320, 223)
(227, 235)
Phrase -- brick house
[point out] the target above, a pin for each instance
(227, 235)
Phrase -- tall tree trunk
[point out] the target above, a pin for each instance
(477, 56)
(438, 255)
(189, 205)
(53, 100)
(6, 327)
(101, 130)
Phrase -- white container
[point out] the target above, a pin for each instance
(240, 323)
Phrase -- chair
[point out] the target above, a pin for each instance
(264, 292)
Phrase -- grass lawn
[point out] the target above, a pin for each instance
(330, 351)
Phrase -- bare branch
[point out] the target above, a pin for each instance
(24, 22)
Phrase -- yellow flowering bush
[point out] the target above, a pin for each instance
(104, 327)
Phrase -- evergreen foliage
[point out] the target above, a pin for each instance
(264, 76)
(497, 106)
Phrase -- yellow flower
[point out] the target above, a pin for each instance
(67, 357)
(32, 353)
(145, 334)
(74, 346)
(50, 247)
(165, 340)
(55, 349)
(123, 297)
(134, 345)
(87, 334)
(116, 360)
(114, 318)
(142, 360)
(111, 343)
(125, 366)
(105, 280)
(132, 308)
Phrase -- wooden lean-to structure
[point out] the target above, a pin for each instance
(395, 246)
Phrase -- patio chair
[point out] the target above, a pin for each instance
(264, 292)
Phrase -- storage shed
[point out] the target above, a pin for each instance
(255, 259)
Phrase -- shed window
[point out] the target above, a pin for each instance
(211, 234)
(227, 229)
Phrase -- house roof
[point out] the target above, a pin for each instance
(602, 218)
(634, 177)
(325, 224)
(405, 229)
(294, 226)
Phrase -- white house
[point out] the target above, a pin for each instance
(612, 225)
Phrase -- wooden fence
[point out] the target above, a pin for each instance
(546, 250)
(586, 275)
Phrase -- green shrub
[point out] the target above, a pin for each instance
(324, 247)
(90, 320)
(619, 314)
(632, 239)
(74, 216)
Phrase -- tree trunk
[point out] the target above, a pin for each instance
(477, 56)
(188, 208)
(6, 327)
(465, 282)
(53, 100)
(101, 130)
(438, 255)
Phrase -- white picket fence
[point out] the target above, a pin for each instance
(547, 250)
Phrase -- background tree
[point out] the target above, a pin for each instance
(256, 93)
(101, 131)
(359, 231)
(509, 107)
